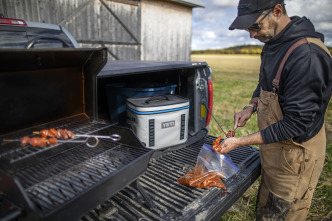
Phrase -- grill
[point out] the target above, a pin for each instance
(65, 180)
(168, 200)
(59, 88)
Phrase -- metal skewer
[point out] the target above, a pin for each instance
(215, 120)
(86, 141)
(11, 140)
(113, 137)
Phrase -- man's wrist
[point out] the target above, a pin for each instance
(253, 106)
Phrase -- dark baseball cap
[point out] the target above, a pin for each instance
(250, 10)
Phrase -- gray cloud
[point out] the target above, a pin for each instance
(210, 24)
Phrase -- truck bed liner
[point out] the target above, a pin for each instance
(172, 201)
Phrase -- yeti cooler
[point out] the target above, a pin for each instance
(159, 121)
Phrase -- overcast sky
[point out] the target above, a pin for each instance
(210, 24)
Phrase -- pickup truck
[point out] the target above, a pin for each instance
(102, 178)
(18, 33)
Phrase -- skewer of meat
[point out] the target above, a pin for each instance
(48, 133)
(35, 141)
(59, 133)
(67, 134)
(43, 142)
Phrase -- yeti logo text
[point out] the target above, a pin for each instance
(167, 124)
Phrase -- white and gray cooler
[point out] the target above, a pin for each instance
(159, 121)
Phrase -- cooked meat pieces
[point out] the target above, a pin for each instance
(25, 141)
(52, 141)
(204, 180)
(231, 133)
(70, 134)
(216, 142)
(216, 145)
(52, 132)
(63, 134)
(59, 133)
(38, 141)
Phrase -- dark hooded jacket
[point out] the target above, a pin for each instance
(305, 83)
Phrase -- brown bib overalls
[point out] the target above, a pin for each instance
(290, 170)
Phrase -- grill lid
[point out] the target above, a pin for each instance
(39, 85)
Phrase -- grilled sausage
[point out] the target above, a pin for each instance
(25, 141)
(70, 134)
(52, 141)
(38, 141)
(63, 133)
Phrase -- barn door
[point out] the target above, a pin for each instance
(104, 23)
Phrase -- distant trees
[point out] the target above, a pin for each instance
(241, 49)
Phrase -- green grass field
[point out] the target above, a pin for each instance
(234, 79)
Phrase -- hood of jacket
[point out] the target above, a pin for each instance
(297, 28)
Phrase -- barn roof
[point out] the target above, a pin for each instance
(191, 3)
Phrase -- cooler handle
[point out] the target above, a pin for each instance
(156, 98)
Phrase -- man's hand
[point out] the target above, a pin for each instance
(233, 142)
(228, 145)
(241, 118)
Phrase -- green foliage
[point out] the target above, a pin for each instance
(241, 49)
(234, 79)
(330, 49)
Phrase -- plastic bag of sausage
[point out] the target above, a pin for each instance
(209, 169)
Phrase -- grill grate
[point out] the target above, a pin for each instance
(68, 173)
(173, 201)
(17, 153)
(52, 182)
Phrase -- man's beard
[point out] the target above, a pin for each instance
(270, 33)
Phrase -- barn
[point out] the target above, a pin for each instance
(131, 29)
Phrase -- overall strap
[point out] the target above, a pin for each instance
(316, 41)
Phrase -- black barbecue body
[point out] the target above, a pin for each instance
(56, 88)
(132, 182)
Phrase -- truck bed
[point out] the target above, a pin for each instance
(168, 200)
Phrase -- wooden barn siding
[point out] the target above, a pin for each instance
(91, 22)
(166, 31)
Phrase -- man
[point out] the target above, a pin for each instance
(290, 108)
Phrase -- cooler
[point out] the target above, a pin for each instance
(159, 121)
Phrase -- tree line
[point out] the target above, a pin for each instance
(241, 49)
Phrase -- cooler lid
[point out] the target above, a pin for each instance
(158, 102)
